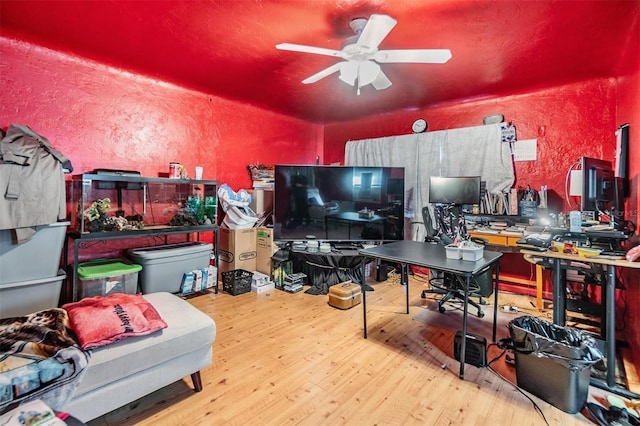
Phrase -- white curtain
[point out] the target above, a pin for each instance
(469, 151)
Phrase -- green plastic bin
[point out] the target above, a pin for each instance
(101, 277)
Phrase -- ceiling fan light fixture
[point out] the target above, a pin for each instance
(364, 73)
(349, 72)
(361, 55)
(367, 72)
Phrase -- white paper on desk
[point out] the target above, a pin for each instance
(525, 150)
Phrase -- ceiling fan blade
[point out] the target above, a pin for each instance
(309, 49)
(424, 56)
(322, 74)
(381, 82)
(377, 28)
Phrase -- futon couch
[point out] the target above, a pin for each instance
(121, 372)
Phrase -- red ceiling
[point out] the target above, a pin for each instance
(227, 48)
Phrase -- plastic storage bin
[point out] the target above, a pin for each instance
(18, 261)
(559, 386)
(553, 362)
(25, 297)
(472, 253)
(101, 277)
(164, 266)
(453, 251)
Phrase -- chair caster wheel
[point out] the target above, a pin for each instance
(480, 314)
(441, 309)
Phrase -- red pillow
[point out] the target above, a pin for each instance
(101, 320)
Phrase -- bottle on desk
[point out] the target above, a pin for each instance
(562, 221)
(575, 221)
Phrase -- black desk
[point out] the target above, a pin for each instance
(559, 307)
(433, 256)
(326, 269)
(349, 218)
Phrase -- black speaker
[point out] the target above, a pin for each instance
(381, 273)
(476, 350)
(622, 156)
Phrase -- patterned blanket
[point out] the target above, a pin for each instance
(39, 359)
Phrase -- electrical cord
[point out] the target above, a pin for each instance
(567, 183)
(503, 344)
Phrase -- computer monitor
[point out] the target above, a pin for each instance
(617, 213)
(597, 185)
(459, 190)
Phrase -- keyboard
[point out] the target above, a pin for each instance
(611, 233)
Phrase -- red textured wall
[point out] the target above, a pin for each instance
(629, 112)
(583, 123)
(100, 117)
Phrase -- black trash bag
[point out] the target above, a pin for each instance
(573, 348)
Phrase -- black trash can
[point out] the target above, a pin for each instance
(553, 362)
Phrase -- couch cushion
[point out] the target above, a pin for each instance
(101, 320)
(187, 329)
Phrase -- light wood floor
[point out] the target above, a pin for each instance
(291, 359)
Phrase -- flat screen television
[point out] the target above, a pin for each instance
(338, 203)
(597, 185)
(459, 190)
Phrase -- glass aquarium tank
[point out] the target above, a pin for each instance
(124, 201)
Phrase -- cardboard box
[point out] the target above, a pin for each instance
(265, 248)
(261, 200)
(237, 249)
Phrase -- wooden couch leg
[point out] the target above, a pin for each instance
(197, 381)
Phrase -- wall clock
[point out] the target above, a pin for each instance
(419, 126)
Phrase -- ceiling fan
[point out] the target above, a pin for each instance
(361, 55)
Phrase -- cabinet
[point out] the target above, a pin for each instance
(507, 244)
(106, 207)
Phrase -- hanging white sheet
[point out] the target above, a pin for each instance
(468, 151)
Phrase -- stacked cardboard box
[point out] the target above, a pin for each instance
(237, 249)
(265, 248)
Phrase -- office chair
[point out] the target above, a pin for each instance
(449, 227)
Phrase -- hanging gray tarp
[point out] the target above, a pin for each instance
(467, 151)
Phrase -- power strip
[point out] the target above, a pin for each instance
(509, 308)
